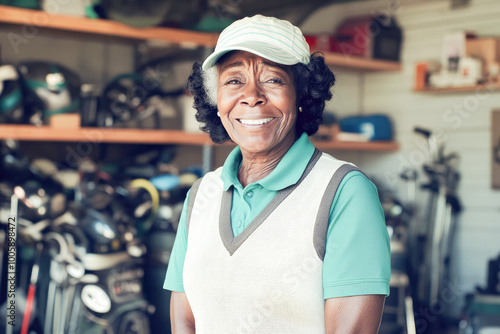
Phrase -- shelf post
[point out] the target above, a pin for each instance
(208, 152)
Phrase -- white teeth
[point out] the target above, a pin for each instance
(255, 121)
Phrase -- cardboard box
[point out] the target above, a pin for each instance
(495, 144)
(487, 49)
(420, 76)
(65, 121)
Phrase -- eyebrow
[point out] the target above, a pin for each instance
(280, 66)
(230, 65)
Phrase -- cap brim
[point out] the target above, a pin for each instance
(264, 50)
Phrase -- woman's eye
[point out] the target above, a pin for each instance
(276, 81)
(233, 82)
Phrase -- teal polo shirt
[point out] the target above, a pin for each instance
(357, 257)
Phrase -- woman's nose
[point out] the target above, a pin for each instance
(253, 95)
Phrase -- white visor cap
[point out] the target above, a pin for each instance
(268, 37)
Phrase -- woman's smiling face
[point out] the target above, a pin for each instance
(256, 100)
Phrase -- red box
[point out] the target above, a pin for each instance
(370, 37)
(353, 37)
(322, 42)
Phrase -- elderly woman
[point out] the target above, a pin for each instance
(283, 238)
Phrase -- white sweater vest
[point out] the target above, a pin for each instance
(269, 278)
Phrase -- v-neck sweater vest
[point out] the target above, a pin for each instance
(268, 279)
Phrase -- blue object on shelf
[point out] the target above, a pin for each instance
(375, 127)
(165, 182)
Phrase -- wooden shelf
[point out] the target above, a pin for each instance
(40, 19)
(360, 63)
(463, 89)
(379, 146)
(102, 135)
(140, 136)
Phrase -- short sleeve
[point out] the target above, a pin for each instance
(357, 256)
(173, 279)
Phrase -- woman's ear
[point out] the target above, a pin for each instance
(210, 82)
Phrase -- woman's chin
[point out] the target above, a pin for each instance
(263, 145)
(256, 145)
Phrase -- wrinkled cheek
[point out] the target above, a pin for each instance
(227, 126)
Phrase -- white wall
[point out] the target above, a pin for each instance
(96, 60)
(424, 24)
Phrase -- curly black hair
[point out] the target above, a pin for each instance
(312, 84)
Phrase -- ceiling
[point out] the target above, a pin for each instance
(296, 11)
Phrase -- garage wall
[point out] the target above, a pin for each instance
(96, 60)
(424, 24)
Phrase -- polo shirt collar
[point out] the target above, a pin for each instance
(286, 173)
(230, 168)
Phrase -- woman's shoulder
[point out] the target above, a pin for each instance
(329, 162)
(342, 170)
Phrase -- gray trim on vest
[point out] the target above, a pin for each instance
(323, 217)
(192, 197)
(231, 242)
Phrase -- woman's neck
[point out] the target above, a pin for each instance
(256, 166)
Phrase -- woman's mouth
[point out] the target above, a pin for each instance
(259, 121)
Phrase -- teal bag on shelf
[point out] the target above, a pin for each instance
(32, 4)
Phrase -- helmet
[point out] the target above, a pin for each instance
(50, 89)
(170, 73)
(11, 97)
(123, 99)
